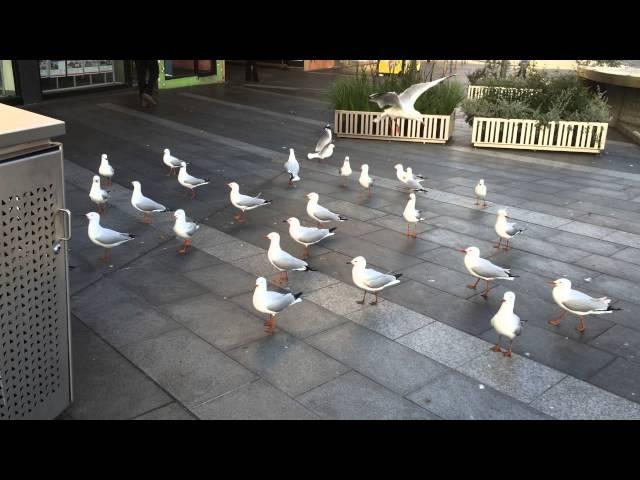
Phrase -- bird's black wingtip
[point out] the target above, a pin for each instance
(297, 295)
(131, 235)
(397, 275)
(309, 269)
(332, 229)
(613, 309)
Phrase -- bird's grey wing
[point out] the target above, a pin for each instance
(247, 201)
(375, 279)
(174, 161)
(312, 234)
(518, 329)
(581, 302)
(191, 228)
(149, 205)
(324, 214)
(107, 236)
(288, 261)
(411, 94)
(325, 139)
(276, 302)
(387, 99)
(486, 269)
(104, 194)
(511, 228)
(191, 180)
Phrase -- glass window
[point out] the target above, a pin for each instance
(7, 85)
(72, 74)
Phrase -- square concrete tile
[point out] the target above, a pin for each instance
(396, 223)
(389, 319)
(349, 210)
(629, 254)
(255, 401)
(169, 257)
(229, 251)
(445, 344)
(572, 399)
(444, 279)
(621, 341)
(518, 377)
(106, 386)
(384, 257)
(398, 241)
(339, 298)
(450, 239)
(224, 280)
(334, 265)
(220, 322)
(454, 396)
(173, 411)
(611, 266)
(385, 361)
(587, 244)
(621, 377)
(617, 288)
(188, 367)
(288, 363)
(355, 397)
(628, 316)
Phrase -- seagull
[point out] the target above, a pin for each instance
(483, 269)
(105, 169)
(98, 195)
(283, 261)
(171, 161)
(184, 229)
(401, 174)
(481, 193)
(292, 167)
(319, 213)
(189, 181)
(244, 202)
(371, 280)
(365, 180)
(578, 303)
(144, 204)
(326, 138)
(307, 235)
(504, 229)
(345, 170)
(272, 302)
(402, 106)
(506, 323)
(326, 152)
(412, 181)
(105, 237)
(411, 215)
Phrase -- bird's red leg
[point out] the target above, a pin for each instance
(184, 248)
(415, 231)
(499, 243)
(486, 290)
(581, 327)
(474, 285)
(507, 247)
(375, 302)
(107, 255)
(556, 322)
(170, 172)
(408, 235)
(193, 193)
(361, 302)
(508, 354)
(497, 348)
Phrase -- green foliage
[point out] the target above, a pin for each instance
(559, 98)
(352, 93)
(599, 63)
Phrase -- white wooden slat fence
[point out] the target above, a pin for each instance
(479, 91)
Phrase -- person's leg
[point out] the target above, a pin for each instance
(254, 67)
(247, 72)
(154, 71)
(141, 70)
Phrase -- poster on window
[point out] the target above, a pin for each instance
(91, 66)
(106, 66)
(44, 68)
(57, 68)
(74, 67)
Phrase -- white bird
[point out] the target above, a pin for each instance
(292, 167)
(411, 215)
(578, 303)
(504, 229)
(319, 213)
(402, 105)
(413, 182)
(345, 170)
(481, 193)
(506, 323)
(283, 261)
(244, 202)
(401, 174)
(326, 138)
(272, 302)
(184, 229)
(365, 180)
(189, 181)
(307, 235)
(326, 152)
(105, 237)
(370, 280)
(105, 169)
(483, 269)
(98, 195)
(144, 204)
(171, 161)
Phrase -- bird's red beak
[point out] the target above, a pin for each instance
(550, 282)
(503, 300)
(461, 250)
(507, 216)
(265, 237)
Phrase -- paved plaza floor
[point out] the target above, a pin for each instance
(158, 335)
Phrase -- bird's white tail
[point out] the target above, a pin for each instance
(312, 155)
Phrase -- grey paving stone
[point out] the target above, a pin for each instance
(398, 224)
(621, 341)
(105, 384)
(339, 298)
(543, 266)
(224, 280)
(445, 279)
(385, 361)
(288, 363)
(255, 401)
(628, 316)
(386, 258)
(445, 344)
(450, 239)
(569, 212)
(617, 288)
(189, 368)
(517, 377)
(398, 241)
(621, 377)
(586, 244)
(628, 255)
(454, 396)
(117, 315)
(389, 319)
(173, 411)
(469, 228)
(169, 257)
(547, 249)
(573, 399)
(235, 250)
(586, 229)
(356, 211)
(628, 239)
(220, 322)
(303, 320)
(354, 397)
(334, 265)
(613, 267)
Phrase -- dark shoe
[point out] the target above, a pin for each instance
(143, 102)
(149, 99)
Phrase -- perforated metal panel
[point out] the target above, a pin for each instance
(34, 321)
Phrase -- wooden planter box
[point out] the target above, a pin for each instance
(479, 91)
(527, 134)
(355, 124)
